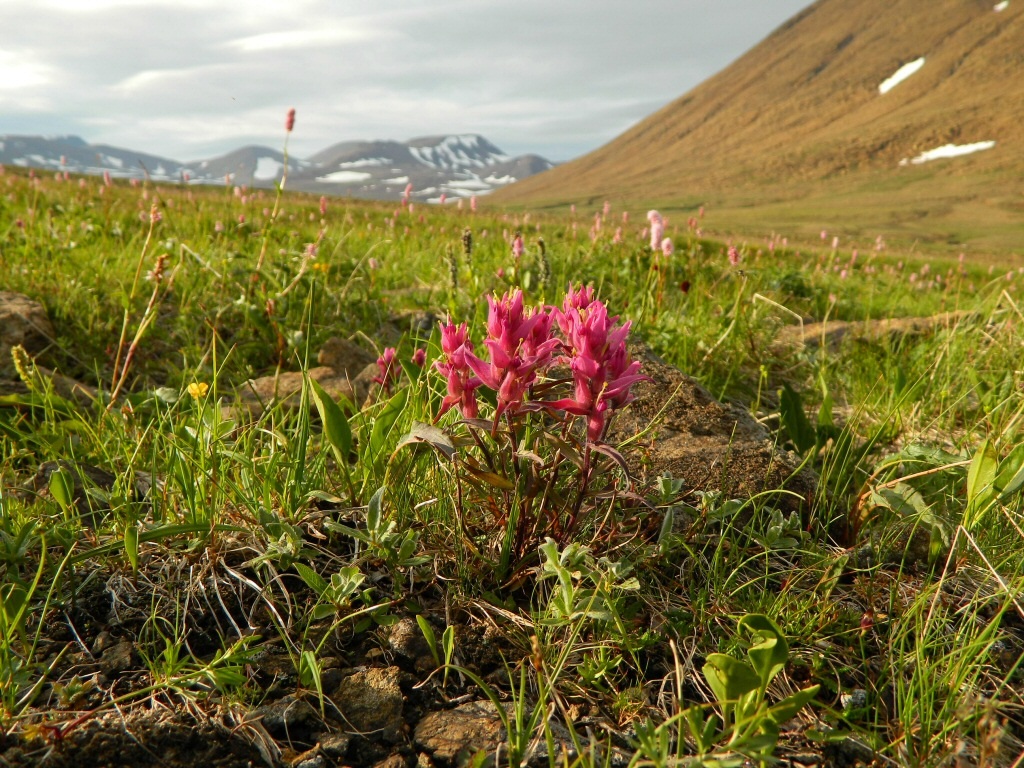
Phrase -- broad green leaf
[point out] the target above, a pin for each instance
(982, 473)
(787, 708)
(798, 426)
(62, 487)
(491, 478)
(430, 637)
(729, 678)
(336, 426)
(768, 656)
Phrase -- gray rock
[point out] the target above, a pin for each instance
(709, 445)
(258, 395)
(345, 357)
(456, 734)
(406, 639)
(372, 701)
(335, 745)
(287, 713)
(117, 658)
(22, 321)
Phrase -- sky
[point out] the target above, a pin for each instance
(193, 79)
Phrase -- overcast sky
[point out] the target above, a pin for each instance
(190, 79)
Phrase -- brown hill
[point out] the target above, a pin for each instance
(796, 136)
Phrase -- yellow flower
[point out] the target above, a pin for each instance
(198, 389)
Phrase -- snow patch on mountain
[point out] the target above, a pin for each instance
(267, 169)
(947, 151)
(1001, 6)
(344, 177)
(900, 75)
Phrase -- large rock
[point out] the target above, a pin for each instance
(372, 701)
(22, 321)
(285, 388)
(709, 445)
(454, 735)
(346, 357)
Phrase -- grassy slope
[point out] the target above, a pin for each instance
(794, 135)
(916, 613)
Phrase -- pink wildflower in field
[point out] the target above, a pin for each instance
(472, 203)
(443, 198)
(387, 372)
(667, 247)
(289, 121)
(323, 205)
(657, 229)
(606, 209)
(824, 235)
(106, 178)
(519, 343)
(419, 357)
(618, 236)
(572, 209)
(372, 263)
(734, 255)
(602, 370)
(461, 382)
(625, 217)
(517, 246)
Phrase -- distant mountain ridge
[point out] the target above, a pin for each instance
(891, 116)
(457, 165)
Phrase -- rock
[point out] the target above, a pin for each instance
(22, 321)
(709, 445)
(832, 332)
(286, 714)
(335, 745)
(394, 761)
(117, 658)
(345, 357)
(310, 759)
(372, 701)
(258, 395)
(455, 735)
(406, 639)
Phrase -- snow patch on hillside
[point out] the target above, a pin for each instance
(948, 150)
(267, 168)
(1001, 6)
(344, 177)
(365, 162)
(900, 75)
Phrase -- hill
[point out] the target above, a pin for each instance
(829, 123)
(452, 165)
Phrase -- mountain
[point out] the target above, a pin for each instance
(864, 116)
(454, 166)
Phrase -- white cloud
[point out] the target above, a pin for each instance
(306, 38)
(19, 71)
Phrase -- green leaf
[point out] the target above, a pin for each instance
(62, 487)
(1011, 472)
(430, 637)
(131, 545)
(382, 426)
(768, 656)
(491, 478)
(336, 426)
(314, 580)
(729, 678)
(787, 708)
(982, 473)
(798, 426)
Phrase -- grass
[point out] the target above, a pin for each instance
(664, 626)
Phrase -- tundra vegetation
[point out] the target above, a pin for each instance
(172, 543)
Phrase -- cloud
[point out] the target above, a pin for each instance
(188, 78)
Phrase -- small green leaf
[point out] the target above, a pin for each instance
(131, 545)
(314, 580)
(62, 487)
(430, 637)
(982, 473)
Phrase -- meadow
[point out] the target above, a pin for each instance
(469, 543)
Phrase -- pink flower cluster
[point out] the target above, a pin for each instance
(521, 344)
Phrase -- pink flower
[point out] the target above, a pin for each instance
(472, 203)
(419, 357)
(667, 248)
(460, 380)
(599, 359)
(734, 255)
(387, 372)
(519, 343)
(289, 122)
(443, 198)
(517, 246)
(657, 229)
(323, 205)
